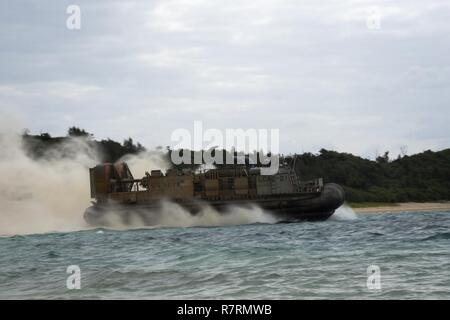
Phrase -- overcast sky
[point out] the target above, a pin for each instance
(354, 76)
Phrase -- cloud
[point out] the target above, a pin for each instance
(316, 71)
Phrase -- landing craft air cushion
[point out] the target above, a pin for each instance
(283, 194)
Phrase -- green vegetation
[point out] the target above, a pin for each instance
(44, 145)
(420, 178)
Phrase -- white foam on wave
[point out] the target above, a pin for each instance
(343, 213)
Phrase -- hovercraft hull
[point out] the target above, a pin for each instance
(283, 208)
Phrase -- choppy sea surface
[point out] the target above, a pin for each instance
(309, 260)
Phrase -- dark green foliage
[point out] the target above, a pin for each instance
(130, 147)
(77, 132)
(43, 145)
(421, 177)
(39, 146)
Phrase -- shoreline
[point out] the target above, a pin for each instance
(405, 207)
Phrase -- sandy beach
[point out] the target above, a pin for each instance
(406, 207)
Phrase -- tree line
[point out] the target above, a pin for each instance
(42, 145)
(421, 177)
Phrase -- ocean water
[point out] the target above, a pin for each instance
(310, 260)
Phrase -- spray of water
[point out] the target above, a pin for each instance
(146, 161)
(51, 194)
(344, 212)
(171, 214)
(42, 195)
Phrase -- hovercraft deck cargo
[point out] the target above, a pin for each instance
(283, 194)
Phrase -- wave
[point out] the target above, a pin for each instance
(438, 236)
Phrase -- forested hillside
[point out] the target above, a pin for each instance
(44, 144)
(420, 177)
